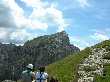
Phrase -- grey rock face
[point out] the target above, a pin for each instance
(92, 65)
(43, 50)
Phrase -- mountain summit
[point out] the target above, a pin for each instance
(43, 50)
(50, 48)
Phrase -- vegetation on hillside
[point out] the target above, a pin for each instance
(66, 69)
(106, 74)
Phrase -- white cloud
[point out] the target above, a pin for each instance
(34, 24)
(50, 13)
(100, 34)
(83, 3)
(57, 17)
(43, 13)
(37, 13)
(3, 34)
(40, 12)
(20, 20)
(18, 25)
(99, 37)
(20, 35)
(34, 3)
(79, 42)
(98, 31)
(16, 12)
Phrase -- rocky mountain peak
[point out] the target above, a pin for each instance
(42, 50)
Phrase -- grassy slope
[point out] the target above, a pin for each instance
(65, 70)
(106, 76)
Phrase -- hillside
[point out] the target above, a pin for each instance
(43, 50)
(50, 48)
(66, 70)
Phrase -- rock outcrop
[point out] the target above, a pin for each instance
(43, 50)
(92, 65)
(50, 48)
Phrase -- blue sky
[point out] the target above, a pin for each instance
(85, 21)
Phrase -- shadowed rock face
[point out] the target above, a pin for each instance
(43, 50)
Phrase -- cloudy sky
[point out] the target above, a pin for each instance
(86, 21)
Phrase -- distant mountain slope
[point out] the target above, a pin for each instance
(43, 50)
(50, 48)
(66, 70)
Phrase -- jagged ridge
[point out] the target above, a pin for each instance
(39, 51)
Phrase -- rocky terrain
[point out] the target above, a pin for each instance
(93, 65)
(89, 65)
(50, 48)
(43, 50)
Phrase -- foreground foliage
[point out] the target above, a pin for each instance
(66, 69)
